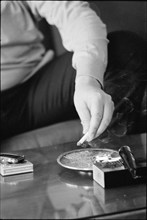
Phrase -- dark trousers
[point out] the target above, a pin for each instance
(47, 97)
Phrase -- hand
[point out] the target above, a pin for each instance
(94, 106)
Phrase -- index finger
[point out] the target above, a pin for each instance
(96, 117)
(108, 113)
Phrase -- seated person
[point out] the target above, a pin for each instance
(98, 73)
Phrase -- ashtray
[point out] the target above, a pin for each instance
(83, 159)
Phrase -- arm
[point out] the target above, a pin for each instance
(84, 33)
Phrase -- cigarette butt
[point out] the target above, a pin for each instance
(82, 140)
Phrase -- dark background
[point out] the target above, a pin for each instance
(126, 15)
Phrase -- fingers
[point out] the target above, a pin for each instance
(107, 116)
(94, 121)
(85, 120)
(84, 115)
(101, 115)
(96, 117)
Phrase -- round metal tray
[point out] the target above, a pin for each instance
(82, 159)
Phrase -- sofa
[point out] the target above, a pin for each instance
(126, 16)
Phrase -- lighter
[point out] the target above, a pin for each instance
(128, 160)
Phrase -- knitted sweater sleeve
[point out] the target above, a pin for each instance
(82, 32)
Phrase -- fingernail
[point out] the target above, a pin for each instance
(85, 130)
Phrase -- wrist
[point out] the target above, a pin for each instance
(82, 79)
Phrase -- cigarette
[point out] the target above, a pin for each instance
(82, 140)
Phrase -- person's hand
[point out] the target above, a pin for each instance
(94, 106)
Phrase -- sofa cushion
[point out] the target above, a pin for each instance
(51, 135)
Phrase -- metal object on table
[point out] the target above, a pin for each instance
(129, 160)
(11, 158)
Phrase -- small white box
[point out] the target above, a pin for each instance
(11, 169)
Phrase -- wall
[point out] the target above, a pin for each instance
(126, 15)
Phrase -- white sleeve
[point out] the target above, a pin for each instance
(82, 32)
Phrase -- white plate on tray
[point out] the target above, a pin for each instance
(82, 159)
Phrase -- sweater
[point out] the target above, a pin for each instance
(23, 53)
